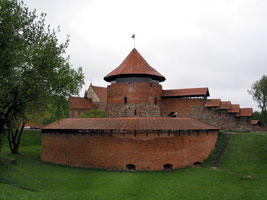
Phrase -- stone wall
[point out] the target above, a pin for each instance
(138, 99)
(194, 108)
(146, 151)
(133, 110)
(100, 105)
(221, 119)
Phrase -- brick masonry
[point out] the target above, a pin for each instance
(143, 100)
(194, 108)
(147, 151)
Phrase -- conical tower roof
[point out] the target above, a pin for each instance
(134, 65)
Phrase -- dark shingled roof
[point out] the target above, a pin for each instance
(134, 65)
(80, 103)
(213, 103)
(130, 123)
(189, 92)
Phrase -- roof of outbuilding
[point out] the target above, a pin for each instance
(80, 103)
(189, 92)
(213, 103)
(245, 112)
(234, 108)
(134, 64)
(255, 122)
(225, 105)
(101, 92)
(130, 123)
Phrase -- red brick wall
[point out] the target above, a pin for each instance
(146, 152)
(140, 99)
(180, 105)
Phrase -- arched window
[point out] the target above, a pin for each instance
(125, 100)
(197, 164)
(167, 166)
(130, 166)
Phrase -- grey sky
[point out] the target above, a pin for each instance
(220, 44)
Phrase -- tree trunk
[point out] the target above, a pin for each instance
(14, 138)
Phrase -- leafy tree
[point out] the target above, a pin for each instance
(93, 114)
(34, 71)
(259, 94)
(258, 116)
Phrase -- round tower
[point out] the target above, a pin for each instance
(134, 90)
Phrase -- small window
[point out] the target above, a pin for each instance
(167, 166)
(173, 114)
(135, 112)
(156, 100)
(125, 100)
(130, 167)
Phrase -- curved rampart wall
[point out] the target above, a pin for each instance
(146, 151)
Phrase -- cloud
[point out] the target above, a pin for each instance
(218, 44)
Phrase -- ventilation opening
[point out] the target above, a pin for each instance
(135, 112)
(167, 166)
(173, 114)
(156, 100)
(125, 100)
(197, 164)
(130, 167)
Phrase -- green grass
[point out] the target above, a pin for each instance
(243, 175)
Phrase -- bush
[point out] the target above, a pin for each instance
(94, 114)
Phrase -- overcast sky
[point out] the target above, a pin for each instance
(219, 44)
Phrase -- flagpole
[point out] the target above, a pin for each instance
(133, 36)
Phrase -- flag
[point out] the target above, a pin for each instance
(133, 36)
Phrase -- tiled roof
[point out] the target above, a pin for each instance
(234, 108)
(80, 103)
(213, 103)
(245, 112)
(131, 123)
(225, 105)
(255, 122)
(190, 92)
(134, 64)
(101, 92)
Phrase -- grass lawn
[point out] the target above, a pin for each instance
(241, 174)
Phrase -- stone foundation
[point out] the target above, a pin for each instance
(133, 110)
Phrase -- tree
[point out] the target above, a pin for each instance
(259, 94)
(93, 114)
(34, 71)
(258, 116)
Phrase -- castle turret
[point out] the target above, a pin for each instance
(134, 89)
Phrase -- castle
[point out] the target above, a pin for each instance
(147, 128)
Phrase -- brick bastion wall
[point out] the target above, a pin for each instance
(145, 150)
